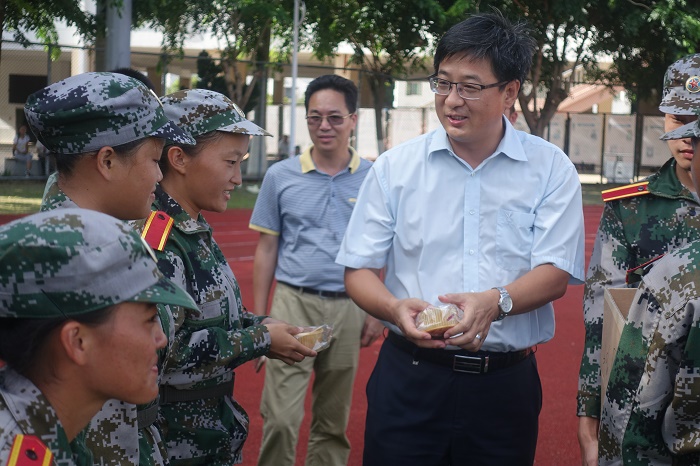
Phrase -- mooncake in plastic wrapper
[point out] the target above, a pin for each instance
(316, 338)
(436, 320)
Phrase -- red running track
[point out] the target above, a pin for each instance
(558, 359)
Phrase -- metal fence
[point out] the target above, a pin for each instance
(600, 145)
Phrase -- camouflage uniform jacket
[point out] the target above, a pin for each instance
(114, 437)
(24, 410)
(208, 344)
(651, 414)
(632, 231)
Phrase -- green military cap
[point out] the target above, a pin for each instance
(681, 94)
(200, 111)
(691, 130)
(67, 262)
(89, 111)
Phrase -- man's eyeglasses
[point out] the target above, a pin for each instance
(467, 91)
(333, 120)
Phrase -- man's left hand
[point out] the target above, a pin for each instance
(480, 309)
(371, 330)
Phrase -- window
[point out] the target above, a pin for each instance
(413, 88)
(23, 85)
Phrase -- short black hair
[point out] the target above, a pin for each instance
(132, 73)
(65, 163)
(22, 339)
(508, 46)
(336, 83)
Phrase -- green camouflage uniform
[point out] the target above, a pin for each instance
(651, 411)
(209, 343)
(219, 336)
(59, 264)
(112, 435)
(651, 414)
(635, 230)
(632, 231)
(82, 114)
(24, 410)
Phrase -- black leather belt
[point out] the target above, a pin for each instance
(170, 394)
(319, 293)
(480, 362)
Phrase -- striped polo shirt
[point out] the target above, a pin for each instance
(309, 210)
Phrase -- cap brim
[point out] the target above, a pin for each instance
(245, 127)
(173, 133)
(687, 131)
(165, 292)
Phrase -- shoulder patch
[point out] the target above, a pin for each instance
(622, 192)
(28, 450)
(635, 274)
(157, 229)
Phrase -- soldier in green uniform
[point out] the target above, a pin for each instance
(651, 411)
(639, 223)
(106, 132)
(78, 326)
(200, 421)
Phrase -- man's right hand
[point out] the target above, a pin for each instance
(284, 346)
(404, 314)
(588, 440)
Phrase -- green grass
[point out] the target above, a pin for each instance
(24, 197)
(20, 197)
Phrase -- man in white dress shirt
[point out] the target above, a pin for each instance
(476, 214)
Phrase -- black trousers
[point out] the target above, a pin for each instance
(428, 415)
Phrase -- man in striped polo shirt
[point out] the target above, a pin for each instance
(302, 211)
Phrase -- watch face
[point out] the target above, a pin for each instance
(506, 303)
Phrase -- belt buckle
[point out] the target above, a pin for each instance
(469, 364)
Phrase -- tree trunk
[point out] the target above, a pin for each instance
(2, 22)
(376, 85)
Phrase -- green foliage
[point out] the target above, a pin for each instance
(242, 27)
(389, 38)
(655, 34)
(38, 17)
(211, 76)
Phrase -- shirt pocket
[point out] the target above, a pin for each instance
(210, 314)
(514, 234)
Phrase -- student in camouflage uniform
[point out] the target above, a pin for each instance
(78, 326)
(199, 419)
(659, 216)
(106, 132)
(651, 411)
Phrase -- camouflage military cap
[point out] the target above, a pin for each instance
(89, 111)
(67, 262)
(200, 111)
(691, 130)
(681, 94)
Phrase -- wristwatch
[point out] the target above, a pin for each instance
(505, 303)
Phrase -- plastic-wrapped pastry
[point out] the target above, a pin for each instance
(316, 338)
(436, 320)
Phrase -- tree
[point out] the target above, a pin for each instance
(39, 16)
(642, 36)
(389, 38)
(211, 77)
(242, 27)
(655, 34)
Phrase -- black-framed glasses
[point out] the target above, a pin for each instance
(467, 91)
(333, 120)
